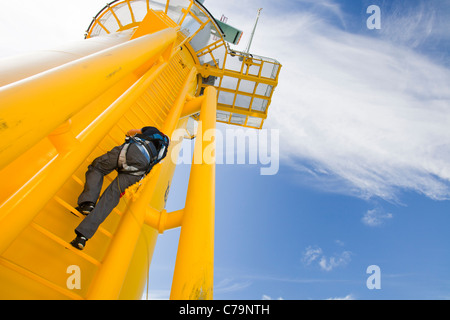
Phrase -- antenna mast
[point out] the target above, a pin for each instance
(253, 31)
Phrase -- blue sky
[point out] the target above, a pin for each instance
(364, 177)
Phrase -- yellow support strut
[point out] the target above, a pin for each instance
(194, 267)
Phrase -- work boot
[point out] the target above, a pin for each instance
(79, 242)
(85, 208)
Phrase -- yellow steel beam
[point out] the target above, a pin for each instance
(207, 70)
(246, 112)
(152, 22)
(194, 268)
(63, 138)
(247, 94)
(192, 106)
(163, 220)
(109, 278)
(32, 108)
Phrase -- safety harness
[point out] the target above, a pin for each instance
(145, 144)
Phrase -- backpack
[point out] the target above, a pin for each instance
(148, 144)
(160, 141)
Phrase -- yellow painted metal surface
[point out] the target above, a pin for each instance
(19, 67)
(141, 65)
(194, 272)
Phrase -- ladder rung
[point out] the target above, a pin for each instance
(75, 212)
(114, 139)
(77, 180)
(33, 276)
(65, 244)
(165, 87)
(133, 111)
(153, 92)
(143, 109)
(149, 99)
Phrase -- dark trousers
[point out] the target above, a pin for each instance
(110, 198)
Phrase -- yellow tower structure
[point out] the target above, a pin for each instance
(143, 63)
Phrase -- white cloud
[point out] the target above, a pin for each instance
(325, 6)
(375, 217)
(339, 242)
(424, 24)
(347, 297)
(31, 25)
(266, 297)
(314, 254)
(311, 254)
(330, 263)
(359, 113)
(230, 285)
(409, 25)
